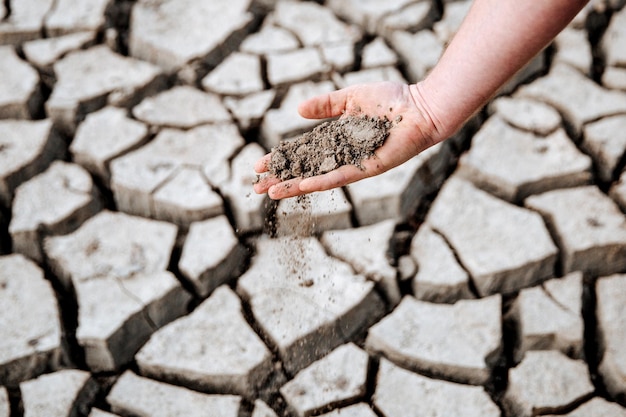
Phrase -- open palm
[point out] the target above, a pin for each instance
(414, 132)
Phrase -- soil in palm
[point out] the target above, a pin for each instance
(345, 141)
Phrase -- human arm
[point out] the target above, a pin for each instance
(496, 39)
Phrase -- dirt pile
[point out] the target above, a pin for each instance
(346, 141)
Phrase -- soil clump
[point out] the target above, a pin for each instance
(345, 141)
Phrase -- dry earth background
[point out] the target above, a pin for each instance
(141, 276)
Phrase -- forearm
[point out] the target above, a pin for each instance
(497, 38)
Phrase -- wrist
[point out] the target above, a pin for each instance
(437, 127)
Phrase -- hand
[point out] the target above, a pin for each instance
(415, 132)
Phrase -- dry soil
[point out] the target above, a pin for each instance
(345, 141)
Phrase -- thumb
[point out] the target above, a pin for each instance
(324, 106)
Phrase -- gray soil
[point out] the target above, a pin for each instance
(346, 141)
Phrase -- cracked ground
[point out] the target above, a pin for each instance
(140, 275)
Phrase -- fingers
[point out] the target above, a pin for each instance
(264, 184)
(274, 187)
(262, 164)
(337, 178)
(285, 189)
(299, 186)
(325, 105)
(277, 189)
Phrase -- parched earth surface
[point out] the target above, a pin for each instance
(141, 276)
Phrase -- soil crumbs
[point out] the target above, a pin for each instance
(346, 141)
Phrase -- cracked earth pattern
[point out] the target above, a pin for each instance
(141, 276)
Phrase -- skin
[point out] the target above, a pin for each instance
(497, 38)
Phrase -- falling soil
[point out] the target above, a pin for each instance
(346, 141)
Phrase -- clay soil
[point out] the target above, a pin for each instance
(346, 141)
